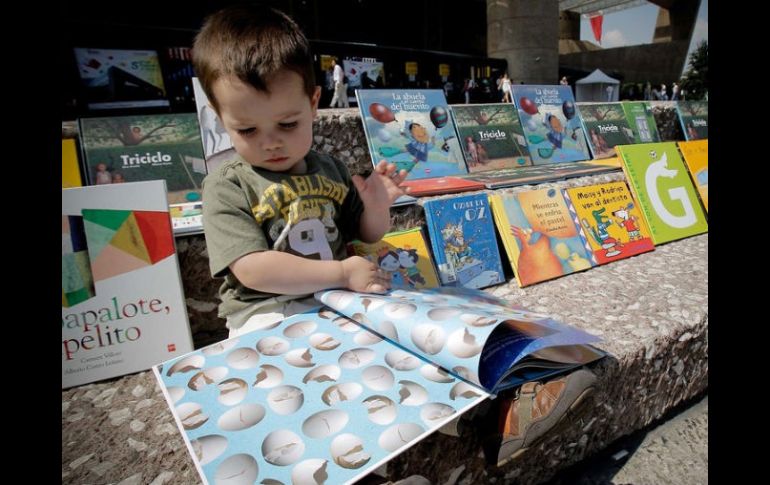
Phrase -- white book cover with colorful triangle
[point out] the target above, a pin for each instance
(123, 308)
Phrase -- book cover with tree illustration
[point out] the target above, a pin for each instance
(462, 235)
(541, 235)
(123, 308)
(413, 129)
(605, 126)
(150, 147)
(611, 220)
(696, 156)
(551, 124)
(661, 184)
(404, 254)
(694, 118)
(642, 122)
(491, 136)
(329, 395)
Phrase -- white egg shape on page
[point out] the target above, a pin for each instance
(443, 313)
(435, 412)
(365, 337)
(355, 358)
(346, 324)
(462, 343)
(399, 435)
(412, 394)
(241, 417)
(325, 423)
(401, 360)
(175, 393)
(272, 346)
(242, 358)
(187, 364)
(282, 447)
(338, 299)
(476, 320)
(240, 469)
(345, 391)
(219, 347)
(285, 400)
(380, 409)
(323, 373)
(397, 311)
(388, 330)
(208, 448)
(300, 329)
(377, 377)
(191, 415)
(348, 451)
(429, 338)
(310, 472)
(208, 376)
(268, 376)
(323, 341)
(463, 390)
(300, 358)
(232, 391)
(435, 374)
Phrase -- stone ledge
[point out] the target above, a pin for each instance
(651, 310)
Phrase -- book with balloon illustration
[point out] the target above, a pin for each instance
(413, 129)
(329, 395)
(551, 123)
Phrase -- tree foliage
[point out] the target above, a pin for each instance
(696, 79)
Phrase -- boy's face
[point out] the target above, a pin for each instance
(271, 130)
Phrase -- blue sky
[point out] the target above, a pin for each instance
(636, 25)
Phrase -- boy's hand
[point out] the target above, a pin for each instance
(382, 187)
(362, 275)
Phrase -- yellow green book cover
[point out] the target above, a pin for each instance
(611, 219)
(661, 184)
(540, 235)
(696, 156)
(405, 255)
(70, 166)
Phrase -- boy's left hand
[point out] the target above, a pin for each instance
(382, 187)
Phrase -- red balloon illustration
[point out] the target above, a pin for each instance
(527, 105)
(381, 113)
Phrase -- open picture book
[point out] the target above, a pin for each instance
(329, 395)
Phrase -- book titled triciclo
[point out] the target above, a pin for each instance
(123, 309)
(329, 395)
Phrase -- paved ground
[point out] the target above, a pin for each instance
(674, 451)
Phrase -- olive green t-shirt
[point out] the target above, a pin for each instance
(248, 209)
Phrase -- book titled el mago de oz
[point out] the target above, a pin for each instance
(123, 309)
(329, 395)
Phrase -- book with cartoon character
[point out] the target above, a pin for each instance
(605, 126)
(694, 118)
(404, 254)
(611, 219)
(329, 395)
(491, 136)
(696, 156)
(463, 239)
(551, 123)
(541, 234)
(640, 118)
(413, 129)
(660, 183)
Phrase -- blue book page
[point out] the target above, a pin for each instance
(313, 399)
(471, 336)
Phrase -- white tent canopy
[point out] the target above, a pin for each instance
(594, 87)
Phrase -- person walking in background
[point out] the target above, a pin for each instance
(564, 81)
(609, 92)
(506, 87)
(674, 92)
(663, 93)
(340, 98)
(648, 91)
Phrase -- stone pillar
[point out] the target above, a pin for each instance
(526, 34)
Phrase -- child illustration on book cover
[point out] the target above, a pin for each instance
(412, 129)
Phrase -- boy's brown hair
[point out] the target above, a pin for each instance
(252, 44)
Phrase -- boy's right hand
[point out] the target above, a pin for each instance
(362, 275)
